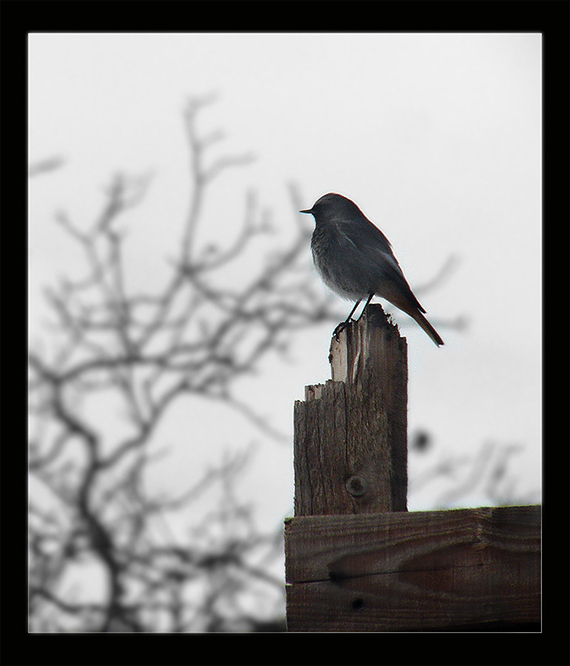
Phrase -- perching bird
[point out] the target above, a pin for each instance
(355, 260)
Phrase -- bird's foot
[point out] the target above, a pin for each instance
(340, 328)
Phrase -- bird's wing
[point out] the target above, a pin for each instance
(370, 242)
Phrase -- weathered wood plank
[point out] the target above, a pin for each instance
(413, 571)
(350, 444)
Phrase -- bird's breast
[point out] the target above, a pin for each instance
(341, 266)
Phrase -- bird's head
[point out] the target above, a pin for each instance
(333, 206)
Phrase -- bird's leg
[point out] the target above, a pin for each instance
(343, 324)
(370, 297)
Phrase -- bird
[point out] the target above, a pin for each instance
(355, 260)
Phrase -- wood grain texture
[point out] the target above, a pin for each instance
(414, 571)
(350, 441)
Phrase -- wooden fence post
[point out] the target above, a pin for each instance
(355, 559)
(350, 444)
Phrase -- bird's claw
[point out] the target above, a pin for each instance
(340, 328)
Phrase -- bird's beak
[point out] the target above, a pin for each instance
(309, 211)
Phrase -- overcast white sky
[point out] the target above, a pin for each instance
(437, 137)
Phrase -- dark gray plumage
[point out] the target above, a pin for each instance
(355, 259)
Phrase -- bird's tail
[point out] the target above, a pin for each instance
(408, 303)
(428, 328)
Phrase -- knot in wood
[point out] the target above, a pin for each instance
(356, 485)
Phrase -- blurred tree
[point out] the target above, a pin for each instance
(43, 166)
(197, 333)
(484, 476)
(145, 351)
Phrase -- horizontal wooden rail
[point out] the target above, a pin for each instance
(475, 569)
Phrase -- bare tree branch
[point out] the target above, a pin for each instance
(44, 166)
(148, 350)
(194, 335)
